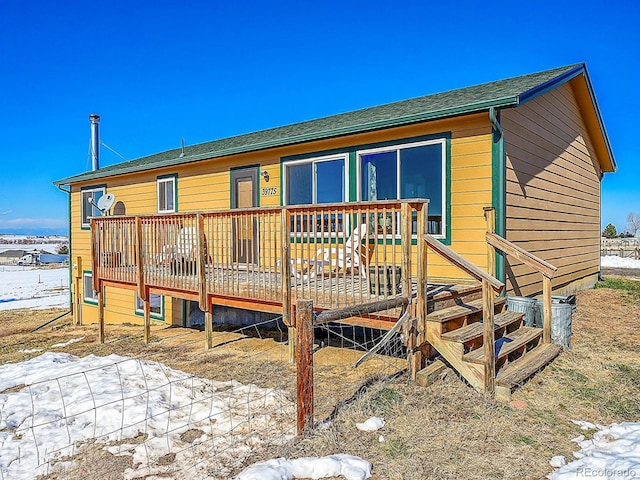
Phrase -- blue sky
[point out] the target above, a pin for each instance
(160, 71)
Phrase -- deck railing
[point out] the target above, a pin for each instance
(334, 254)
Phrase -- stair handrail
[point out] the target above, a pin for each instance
(548, 271)
(529, 259)
(462, 263)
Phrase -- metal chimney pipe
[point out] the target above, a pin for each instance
(95, 141)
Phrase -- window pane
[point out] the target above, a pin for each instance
(166, 194)
(330, 181)
(299, 184)
(379, 180)
(421, 177)
(155, 302)
(87, 286)
(89, 210)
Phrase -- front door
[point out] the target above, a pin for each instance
(244, 194)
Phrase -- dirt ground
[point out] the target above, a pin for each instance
(445, 431)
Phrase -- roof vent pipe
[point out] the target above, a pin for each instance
(182, 152)
(95, 141)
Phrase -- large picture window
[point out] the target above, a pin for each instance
(316, 180)
(167, 194)
(90, 197)
(415, 170)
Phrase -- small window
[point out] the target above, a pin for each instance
(156, 303)
(90, 295)
(167, 194)
(90, 197)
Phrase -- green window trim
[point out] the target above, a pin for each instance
(161, 179)
(90, 300)
(353, 171)
(140, 312)
(83, 190)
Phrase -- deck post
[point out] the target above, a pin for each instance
(405, 234)
(147, 318)
(304, 364)
(422, 284)
(201, 266)
(142, 291)
(285, 275)
(490, 217)
(208, 329)
(489, 340)
(100, 313)
(77, 303)
(547, 314)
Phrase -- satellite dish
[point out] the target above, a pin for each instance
(105, 202)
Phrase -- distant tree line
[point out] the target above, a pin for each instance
(633, 226)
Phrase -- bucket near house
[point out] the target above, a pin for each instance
(562, 309)
(385, 280)
(524, 305)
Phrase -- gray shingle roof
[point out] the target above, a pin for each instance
(501, 93)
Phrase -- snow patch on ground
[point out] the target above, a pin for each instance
(64, 400)
(348, 466)
(614, 452)
(618, 262)
(29, 287)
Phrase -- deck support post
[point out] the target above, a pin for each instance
(489, 340)
(547, 314)
(100, 314)
(208, 329)
(142, 291)
(77, 303)
(422, 284)
(304, 364)
(285, 275)
(146, 308)
(413, 357)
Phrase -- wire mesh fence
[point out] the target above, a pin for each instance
(171, 408)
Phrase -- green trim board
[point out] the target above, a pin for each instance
(498, 191)
(505, 93)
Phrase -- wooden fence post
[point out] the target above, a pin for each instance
(208, 328)
(304, 364)
(142, 291)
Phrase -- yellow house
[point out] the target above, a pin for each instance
(236, 222)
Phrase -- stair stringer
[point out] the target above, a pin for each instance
(452, 352)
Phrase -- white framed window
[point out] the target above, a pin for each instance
(167, 193)
(89, 294)
(89, 199)
(156, 303)
(412, 170)
(316, 180)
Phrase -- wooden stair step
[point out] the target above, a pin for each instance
(476, 329)
(521, 369)
(511, 343)
(451, 313)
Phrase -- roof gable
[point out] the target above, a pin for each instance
(499, 94)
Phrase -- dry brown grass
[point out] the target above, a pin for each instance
(445, 431)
